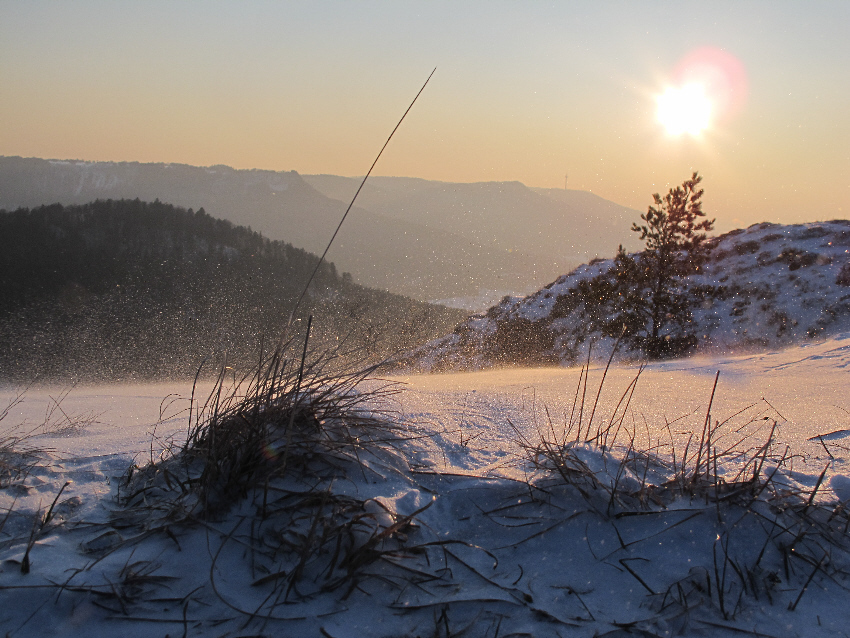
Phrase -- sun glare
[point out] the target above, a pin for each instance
(684, 110)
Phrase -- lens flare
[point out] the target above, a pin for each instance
(721, 75)
(707, 85)
(684, 110)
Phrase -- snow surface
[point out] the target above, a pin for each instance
(770, 285)
(513, 552)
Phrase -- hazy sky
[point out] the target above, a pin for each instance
(526, 91)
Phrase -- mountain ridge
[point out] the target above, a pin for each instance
(505, 213)
(424, 251)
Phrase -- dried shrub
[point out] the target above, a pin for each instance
(796, 258)
(747, 247)
(843, 278)
(523, 342)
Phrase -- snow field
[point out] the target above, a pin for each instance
(474, 537)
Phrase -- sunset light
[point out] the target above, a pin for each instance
(333, 319)
(684, 110)
(715, 76)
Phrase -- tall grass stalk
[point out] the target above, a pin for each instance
(353, 199)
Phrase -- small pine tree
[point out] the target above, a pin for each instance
(652, 300)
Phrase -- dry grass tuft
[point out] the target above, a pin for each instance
(734, 460)
(772, 535)
(17, 455)
(301, 419)
(58, 422)
(274, 452)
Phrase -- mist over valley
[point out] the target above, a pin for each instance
(423, 239)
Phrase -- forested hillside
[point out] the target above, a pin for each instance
(128, 289)
(400, 255)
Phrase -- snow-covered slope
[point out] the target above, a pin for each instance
(764, 286)
(491, 545)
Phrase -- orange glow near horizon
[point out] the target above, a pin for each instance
(522, 92)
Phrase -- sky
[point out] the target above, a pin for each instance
(545, 93)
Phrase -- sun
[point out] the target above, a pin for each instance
(685, 109)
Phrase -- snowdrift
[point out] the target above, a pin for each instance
(766, 286)
(497, 503)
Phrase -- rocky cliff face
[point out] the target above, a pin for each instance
(766, 286)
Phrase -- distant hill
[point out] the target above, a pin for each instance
(763, 287)
(565, 226)
(129, 289)
(427, 240)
